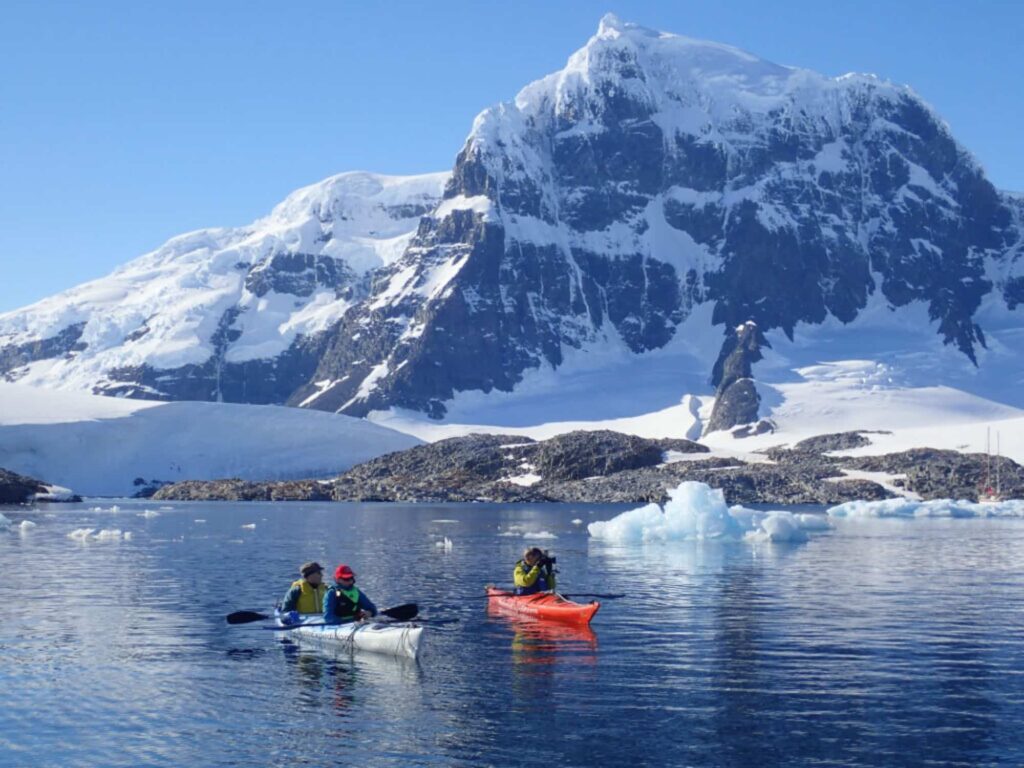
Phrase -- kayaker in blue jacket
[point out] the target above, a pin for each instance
(344, 601)
(307, 594)
(534, 573)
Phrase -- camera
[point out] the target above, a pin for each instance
(550, 560)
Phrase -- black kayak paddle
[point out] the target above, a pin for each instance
(404, 612)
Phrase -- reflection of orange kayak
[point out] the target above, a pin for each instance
(543, 605)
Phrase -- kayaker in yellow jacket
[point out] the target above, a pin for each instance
(534, 573)
(307, 594)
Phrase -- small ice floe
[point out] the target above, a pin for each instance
(577, 521)
(96, 509)
(445, 544)
(539, 535)
(149, 514)
(910, 508)
(695, 511)
(444, 521)
(250, 526)
(166, 508)
(106, 534)
(26, 526)
(115, 509)
(5, 523)
(199, 520)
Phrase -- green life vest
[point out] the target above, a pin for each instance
(347, 604)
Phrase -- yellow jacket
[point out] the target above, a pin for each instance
(304, 597)
(528, 580)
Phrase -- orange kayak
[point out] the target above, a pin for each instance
(543, 605)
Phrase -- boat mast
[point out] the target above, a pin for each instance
(988, 460)
(997, 464)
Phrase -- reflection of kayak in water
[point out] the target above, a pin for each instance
(545, 642)
(542, 605)
(391, 638)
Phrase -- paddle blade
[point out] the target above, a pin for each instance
(246, 617)
(405, 612)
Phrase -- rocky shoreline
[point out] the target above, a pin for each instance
(20, 489)
(608, 467)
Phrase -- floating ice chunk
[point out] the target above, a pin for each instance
(81, 534)
(109, 534)
(149, 514)
(166, 507)
(127, 535)
(444, 521)
(510, 533)
(4, 522)
(250, 526)
(813, 522)
(446, 544)
(199, 520)
(577, 521)
(26, 526)
(907, 508)
(539, 535)
(778, 527)
(693, 511)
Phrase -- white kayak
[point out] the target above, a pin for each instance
(392, 638)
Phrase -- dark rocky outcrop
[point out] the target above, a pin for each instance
(20, 489)
(243, 490)
(937, 474)
(607, 466)
(736, 399)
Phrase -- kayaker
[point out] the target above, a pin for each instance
(534, 573)
(345, 601)
(307, 594)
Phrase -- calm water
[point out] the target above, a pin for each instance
(886, 643)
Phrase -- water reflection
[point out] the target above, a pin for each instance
(891, 643)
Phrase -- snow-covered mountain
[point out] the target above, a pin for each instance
(656, 176)
(597, 243)
(235, 314)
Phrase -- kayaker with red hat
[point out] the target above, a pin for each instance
(344, 601)
(307, 594)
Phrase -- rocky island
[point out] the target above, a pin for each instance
(605, 466)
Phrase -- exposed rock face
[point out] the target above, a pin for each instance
(736, 400)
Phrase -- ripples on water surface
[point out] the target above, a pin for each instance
(884, 643)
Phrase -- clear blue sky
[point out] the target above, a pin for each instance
(124, 123)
